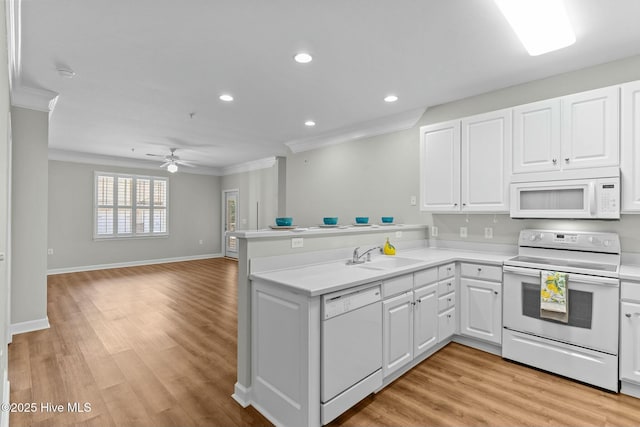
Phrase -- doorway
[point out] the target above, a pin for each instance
(230, 218)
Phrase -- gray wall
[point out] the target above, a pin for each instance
(259, 195)
(4, 202)
(30, 130)
(376, 176)
(194, 215)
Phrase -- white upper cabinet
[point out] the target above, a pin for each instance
(465, 164)
(630, 147)
(486, 162)
(536, 137)
(572, 132)
(590, 129)
(440, 166)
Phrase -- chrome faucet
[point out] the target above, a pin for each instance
(356, 256)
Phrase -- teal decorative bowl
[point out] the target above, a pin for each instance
(330, 220)
(387, 219)
(362, 219)
(284, 221)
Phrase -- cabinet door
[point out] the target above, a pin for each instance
(630, 146)
(425, 319)
(481, 310)
(590, 129)
(630, 341)
(486, 162)
(446, 324)
(397, 332)
(536, 137)
(440, 167)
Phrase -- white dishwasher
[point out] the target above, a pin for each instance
(351, 348)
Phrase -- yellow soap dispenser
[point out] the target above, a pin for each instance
(389, 249)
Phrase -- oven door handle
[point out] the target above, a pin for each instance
(578, 278)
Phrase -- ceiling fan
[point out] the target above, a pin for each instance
(171, 161)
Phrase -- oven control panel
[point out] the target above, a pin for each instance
(575, 240)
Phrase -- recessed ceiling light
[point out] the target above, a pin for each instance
(226, 97)
(303, 58)
(390, 98)
(310, 123)
(541, 25)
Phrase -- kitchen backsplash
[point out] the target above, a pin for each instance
(505, 230)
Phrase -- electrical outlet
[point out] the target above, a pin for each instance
(50, 251)
(463, 231)
(413, 201)
(398, 234)
(434, 231)
(488, 232)
(297, 242)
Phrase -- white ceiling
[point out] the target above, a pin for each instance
(143, 65)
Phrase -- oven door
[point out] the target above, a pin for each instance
(593, 309)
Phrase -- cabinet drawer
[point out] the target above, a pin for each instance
(425, 277)
(481, 271)
(630, 291)
(446, 286)
(446, 302)
(397, 285)
(446, 324)
(446, 270)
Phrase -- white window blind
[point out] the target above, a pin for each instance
(130, 206)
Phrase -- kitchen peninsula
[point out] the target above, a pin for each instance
(280, 287)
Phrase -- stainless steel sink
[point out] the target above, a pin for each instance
(387, 263)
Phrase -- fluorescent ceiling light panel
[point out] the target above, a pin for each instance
(541, 25)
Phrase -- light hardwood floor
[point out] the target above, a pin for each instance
(156, 346)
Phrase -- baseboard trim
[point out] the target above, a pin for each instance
(29, 326)
(479, 344)
(78, 269)
(630, 389)
(241, 394)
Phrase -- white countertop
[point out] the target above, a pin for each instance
(629, 272)
(322, 278)
(322, 231)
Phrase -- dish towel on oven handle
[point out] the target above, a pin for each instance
(554, 296)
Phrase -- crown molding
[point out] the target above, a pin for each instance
(394, 123)
(23, 95)
(249, 166)
(100, 159)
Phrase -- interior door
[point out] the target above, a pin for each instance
(230, 222)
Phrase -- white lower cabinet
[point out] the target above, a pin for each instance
(630, 341)
(481, 303)
(397, 332)
(425, 319)
(630, 336)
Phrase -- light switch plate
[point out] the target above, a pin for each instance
(413, 201)
(434, 231)
(297, 242)
(463, 231)
(398, 234)
(488, 232)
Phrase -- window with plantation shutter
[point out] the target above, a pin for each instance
(130, 206)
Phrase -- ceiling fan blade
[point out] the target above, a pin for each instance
(185, 163)
(165, 164)
(155, 155)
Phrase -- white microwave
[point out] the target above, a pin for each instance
(591, 198)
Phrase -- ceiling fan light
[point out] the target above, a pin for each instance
(541, 25)
(172, 168)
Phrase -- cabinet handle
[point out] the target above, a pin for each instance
(449, 299)
(449, 316)
(566, 160)
(455, 204)
(495, 292)
(554, 161)
(449, 284)
(464, 204)
(479, 269)
(629, 314)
